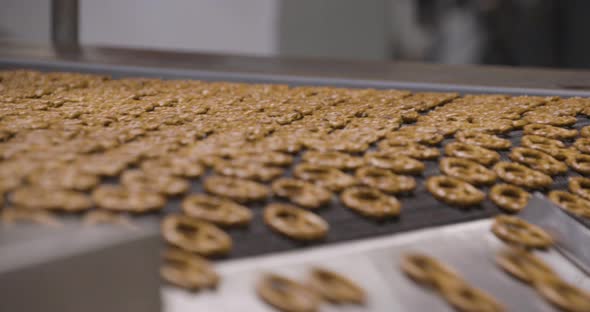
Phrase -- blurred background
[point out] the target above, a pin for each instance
(546, 33)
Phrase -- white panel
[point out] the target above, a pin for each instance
(231, 26)
(25, 20)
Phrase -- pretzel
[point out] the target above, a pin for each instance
(33, 197)
(336, 160)
(177, 166)
(301, 193)
(510, 198)
(188, 270)
(427, 271)
(516, 231)
(335, 288)
(466, 298)
(411, 135)
(481, 139)
(329, 178)
(579, 162)
(522, 176)
(237, 189)
(151, 182)
(194, 235)
(295, 222)
(585, 132)
(549, 131)
(454, 191)
(467, 170)
(287, 295)
(370, 202)
(417, 151)
(95, 217)
(472, 152)
(397, 164)
(42, 217)
(118, 198)
(555, 148)
(217, 210)
(71, 178)
(247, 170)
(524, 266)
(550, 119)
(580, 186)
(565, 296)
(583, 145)
(385, 180)
(570, 202)
(537, 160)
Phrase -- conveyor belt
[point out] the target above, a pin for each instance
(420, 209)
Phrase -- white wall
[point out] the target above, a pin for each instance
(26, 20)
(238, 26)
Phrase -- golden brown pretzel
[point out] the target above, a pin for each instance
(119, 198)
(187, 270)
(336, 160)
(237, 189)
(564, 295)
(570, 202)
(585, 132)
(579, 162)
(330, 178)
(384, 180)
(467, 170)
(295, 222)
(583, 145)
(286, 294)
(509, 197)
(14, 215)
(335, 288)
(521, 175)
(178, 166)
(63, 177)
(550, 119)
(195, 235)
(154, 182)
(454, 191)
(516, 231)
(370, 202)
(397, 164)
(217, 210)
(301, 193)
(466, 298)
(427, 271)
(537, 160)
(244, 169)
(580, 186)
(33, 197)
(484, 140)
(549, 131)
(472, 152)
(417, 151)
(525, 266)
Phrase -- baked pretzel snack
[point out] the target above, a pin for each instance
(301, 193)
(522, 176)
(454, 191)
(509, 198)
(475, 153)
(580, 186)
(188, 270)
(397, 164)
(579, 162)
(570, 202)
(194, 235)
(327, 177)
(294, 222)
(549, 131)
(484, 140)
(370, 202)
(217, 210)
(516, 231)
(240, 190)
(335, 287)
(384, 180)
(467, 170)
(287, 295)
